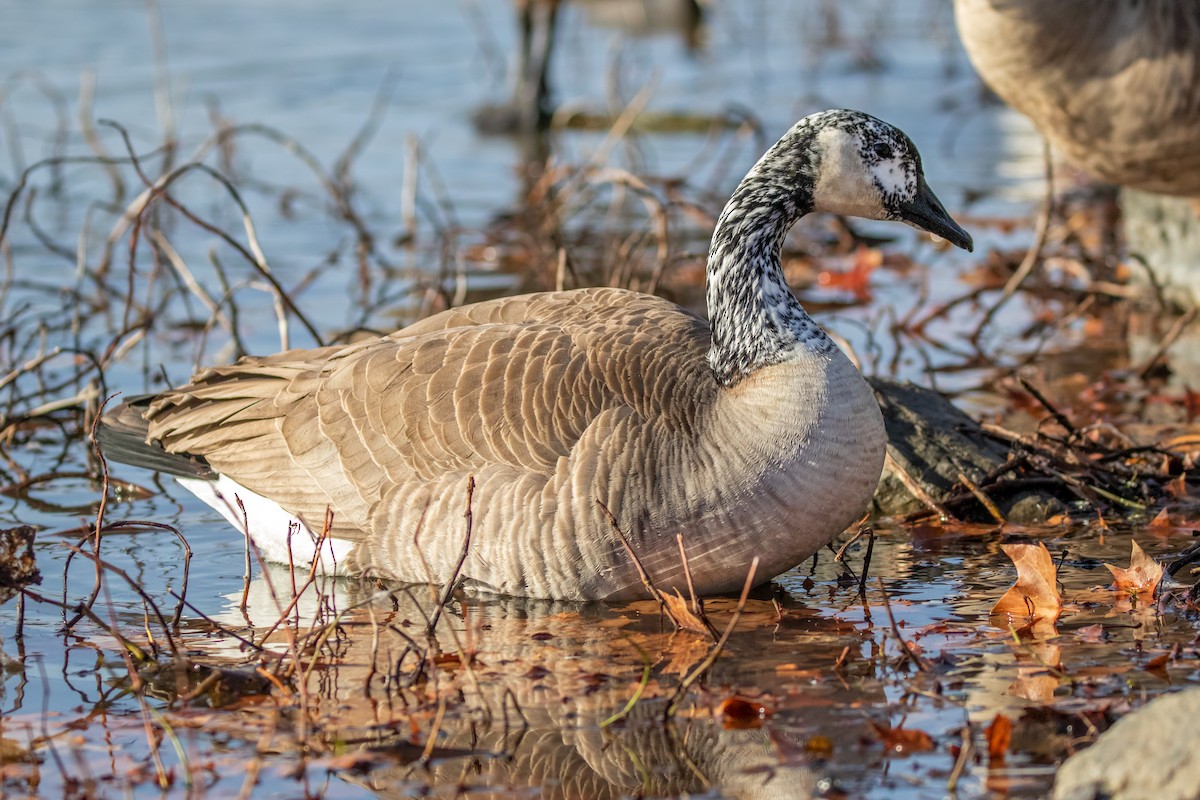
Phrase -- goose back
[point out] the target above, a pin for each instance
(1115, 85)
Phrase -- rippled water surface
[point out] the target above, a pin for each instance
(505, 698)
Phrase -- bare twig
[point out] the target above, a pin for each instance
(909, 652)
(715, 652)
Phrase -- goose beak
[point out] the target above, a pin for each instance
(926, 213)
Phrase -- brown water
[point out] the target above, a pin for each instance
(515, 696)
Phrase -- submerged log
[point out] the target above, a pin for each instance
(939, 458)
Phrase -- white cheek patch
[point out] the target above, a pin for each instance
(893, 179)
(844, 182)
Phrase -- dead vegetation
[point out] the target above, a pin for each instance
(126, 260)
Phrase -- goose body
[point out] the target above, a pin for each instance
(1115, 85)
(753, 437)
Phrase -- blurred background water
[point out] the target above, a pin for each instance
(314, 71)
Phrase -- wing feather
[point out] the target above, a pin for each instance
(508, 387)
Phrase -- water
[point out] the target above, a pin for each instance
(823, 662)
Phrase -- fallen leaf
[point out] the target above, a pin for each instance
(1191, 402)
(903, 740)
(1161, 520)
(448, 661)
(1158, 664)
(999, 737)
(857, 279)
(738, 712)
(819, 746)
(1035, 594)
(1037, 689)
(681, 615)
(1093, 634)
(1142, 576)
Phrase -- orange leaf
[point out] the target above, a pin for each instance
(1158, 662)
(738, 712)
(1161, 520)
(1191, 402)
(999, 736)
(1035, 594)
(819, 746)
(858, 278)
(1143, 574)
(903, 740)
(680, 614)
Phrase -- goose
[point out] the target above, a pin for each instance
(751, 435)
(1115, 85)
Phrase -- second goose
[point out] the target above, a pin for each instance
(751, 434)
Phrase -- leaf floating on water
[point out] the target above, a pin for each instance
(681, 615)
(1158, 664)
(1093, 634)
(819, 746)
(1142, 576)
(999, 737)
(1161, 521)
(1035, 594)
(738, 712)
(903, 741)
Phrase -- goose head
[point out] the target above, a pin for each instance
(842, 162)
(864, 167)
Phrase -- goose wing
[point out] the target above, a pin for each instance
(512, 382)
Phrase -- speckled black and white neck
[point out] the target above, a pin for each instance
(756, 320)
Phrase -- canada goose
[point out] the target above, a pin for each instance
(1114, 85)
(750, 436)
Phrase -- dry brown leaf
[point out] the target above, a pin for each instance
(857, 279)
(1037, 689)
(738, 712)
(681, 615)
(1093, 634)
(999, 737)
(1035, 594)
(1143, 575)
(903, 740)
(1158, 664)
(819, 746)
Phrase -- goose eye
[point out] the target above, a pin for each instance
(882, 150)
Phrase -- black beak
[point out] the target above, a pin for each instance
(926, 212)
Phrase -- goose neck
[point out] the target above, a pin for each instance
(755, 319)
